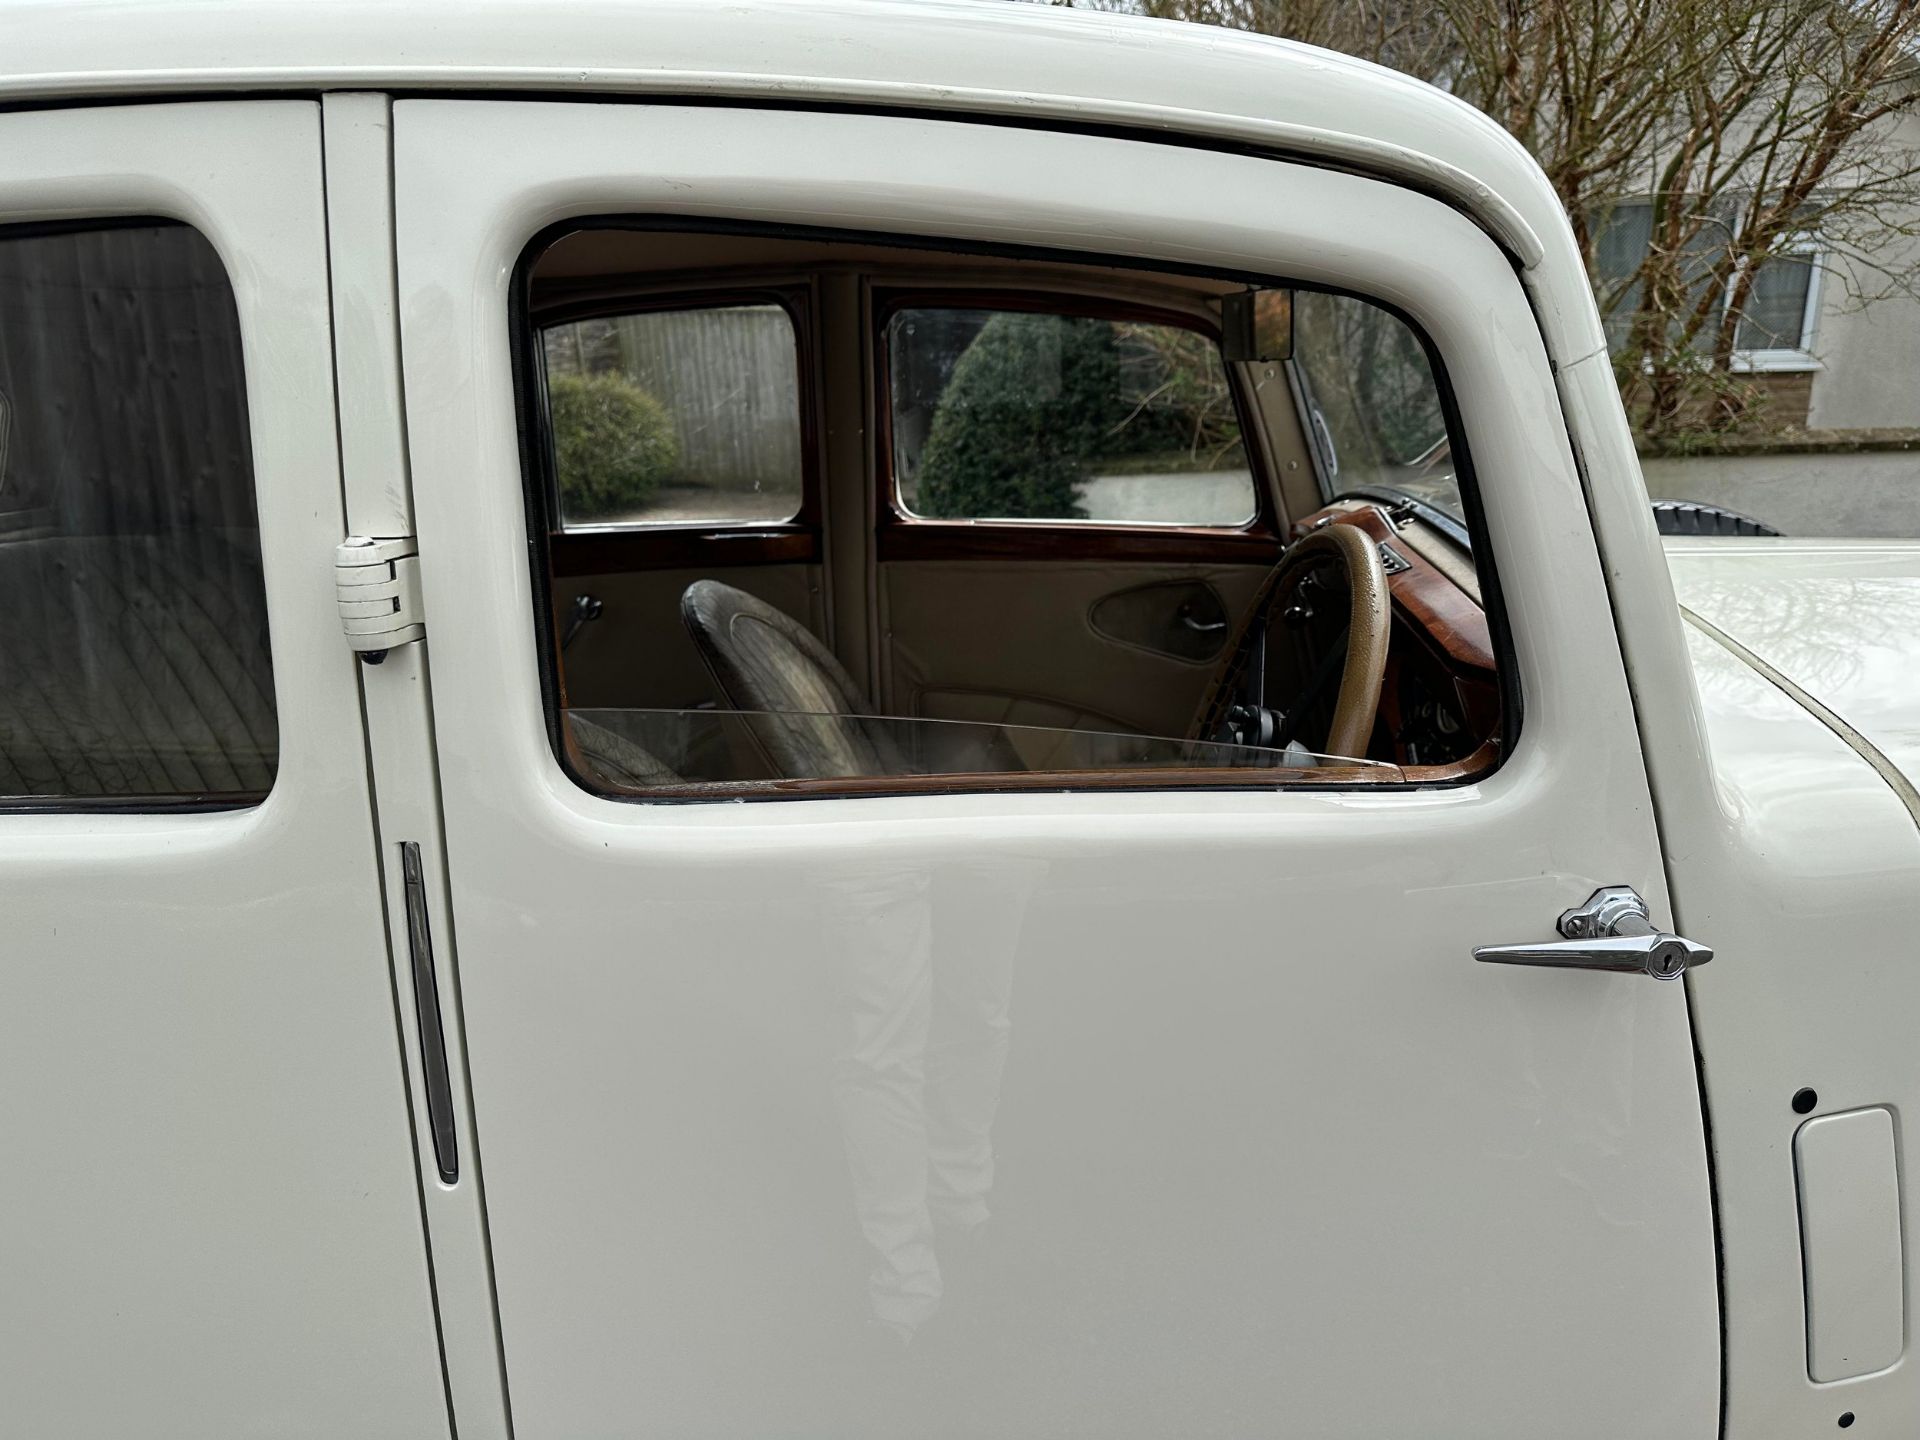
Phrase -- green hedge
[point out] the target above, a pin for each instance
(613, 444)
(1008, 440)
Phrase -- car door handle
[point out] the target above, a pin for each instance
(1612, 931)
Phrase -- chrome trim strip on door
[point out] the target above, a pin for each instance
(426, 1006)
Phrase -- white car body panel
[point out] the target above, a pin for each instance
(1840, 619)
(1807, 875)
(1501, 1175)
(1806, 651)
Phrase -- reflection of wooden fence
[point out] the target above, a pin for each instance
(728, 377)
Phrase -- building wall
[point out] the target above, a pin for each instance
(1854, 492)
(1870, 355)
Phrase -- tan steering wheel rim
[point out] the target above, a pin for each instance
(1369, 621)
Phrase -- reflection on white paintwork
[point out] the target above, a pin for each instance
(1805, 877)
(1840, 618)
(926, 1029)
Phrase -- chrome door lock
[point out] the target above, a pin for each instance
(1613, 930)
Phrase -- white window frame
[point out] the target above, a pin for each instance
(1797, 359)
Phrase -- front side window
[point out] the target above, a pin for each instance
(1774, 328)
(134, 661)
(1044, 538)
(675, 416)
(1017, 415)
(1370, 401)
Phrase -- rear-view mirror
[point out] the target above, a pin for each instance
(1257, 325)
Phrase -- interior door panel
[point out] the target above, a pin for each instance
(1033, 642)
(638, 654)
(1185, 619)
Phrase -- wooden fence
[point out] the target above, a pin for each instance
(728, 376)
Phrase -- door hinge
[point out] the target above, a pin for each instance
(378, 582)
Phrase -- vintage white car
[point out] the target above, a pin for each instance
(898, 719)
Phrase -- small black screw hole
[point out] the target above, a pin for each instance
(1803, 1101)
(1846, 1420)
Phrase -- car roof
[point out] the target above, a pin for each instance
(982, 58)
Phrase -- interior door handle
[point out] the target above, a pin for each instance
(586, 609)
(1612, 931)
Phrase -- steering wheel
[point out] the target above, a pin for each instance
(1229, 713)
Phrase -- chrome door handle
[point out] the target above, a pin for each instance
(1612, 931)
(1205, 627)
(1664, 957)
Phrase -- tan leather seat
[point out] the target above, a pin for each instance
(797, 701)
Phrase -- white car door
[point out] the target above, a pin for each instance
(1276, 1155)
(211, 1217)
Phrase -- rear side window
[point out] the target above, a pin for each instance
(1020, 415)
(675, 417)
(134, 659)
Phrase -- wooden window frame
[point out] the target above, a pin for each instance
(901, 535)
(720, 544)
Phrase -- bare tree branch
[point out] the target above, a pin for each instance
(1743, 125)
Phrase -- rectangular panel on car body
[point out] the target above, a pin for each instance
(1850, 1243)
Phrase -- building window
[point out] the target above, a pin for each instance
(1776, 324)
(1775, 328)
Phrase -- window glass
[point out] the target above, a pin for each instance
(688, 416)
(1774, 317)
(1157, 628)
(1372, 407)
(1620, 245)
(134, 660)
(1016, 415)
(649, 749)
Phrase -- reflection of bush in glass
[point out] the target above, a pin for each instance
(1397, 388)
(1034, 400)
(613, 444)
(1023, 412)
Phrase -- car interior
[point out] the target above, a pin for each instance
(835, 514)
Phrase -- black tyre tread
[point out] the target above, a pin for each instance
(1690, 517)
